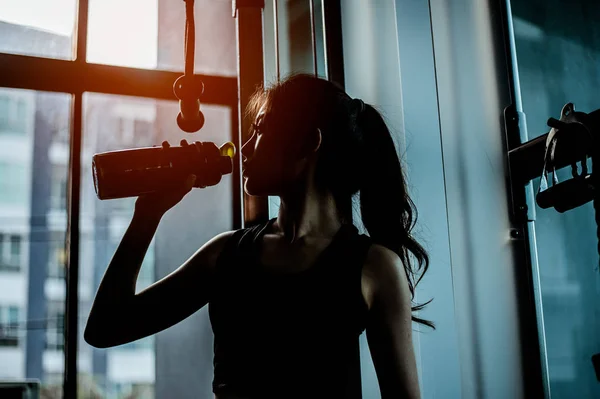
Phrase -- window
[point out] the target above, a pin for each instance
(141, 344)
(57, 256)
(10, 252)
(142, 131)
(33, 174)
(12, 115)
(156, 40)
(38, 28)
(34, 163)
(58, 189)
(146, 276)
(55, 326)
(15, 250)
(12, 189)
(9, 326)
(126, 126)
(177, 238)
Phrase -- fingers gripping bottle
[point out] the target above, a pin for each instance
(131, 173)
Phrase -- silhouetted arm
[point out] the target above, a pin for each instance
(389, 330)
(119, 316)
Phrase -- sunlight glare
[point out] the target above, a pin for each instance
(120, 32)
(57, 16)
(123, 32)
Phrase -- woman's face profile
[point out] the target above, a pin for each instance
(270, 163)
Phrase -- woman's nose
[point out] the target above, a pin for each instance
(247, 150)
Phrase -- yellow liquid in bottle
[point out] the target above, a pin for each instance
(227, 150)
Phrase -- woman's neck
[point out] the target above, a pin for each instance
(308, 213)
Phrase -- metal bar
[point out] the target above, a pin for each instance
(276, 28)
(73, 208)
(250, 77)
(527, 279)
(71, 335)
(334, 51)
(527, 160)
(237, 189)
(313, 35)
(23, 72)
(81, 31)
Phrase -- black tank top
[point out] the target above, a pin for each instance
(289, 335)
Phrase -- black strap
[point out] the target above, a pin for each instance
(190, 38)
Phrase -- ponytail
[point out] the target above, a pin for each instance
(388, 213)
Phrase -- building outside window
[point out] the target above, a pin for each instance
(12, 115)
(57, 256)
(10, 252)
(12, 176)
(9, 326)
(58, 189)
(55, 339)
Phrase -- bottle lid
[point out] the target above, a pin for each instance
(227, 150)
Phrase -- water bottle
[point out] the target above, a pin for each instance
(131, 173)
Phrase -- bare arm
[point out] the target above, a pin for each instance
(118, 315)
(389, 330)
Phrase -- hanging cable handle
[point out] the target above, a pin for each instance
(188, 88)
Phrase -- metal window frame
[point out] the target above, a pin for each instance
(536, 379)
(333, 38)
(76, 77)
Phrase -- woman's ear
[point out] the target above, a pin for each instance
(311, 143)
(314, 141)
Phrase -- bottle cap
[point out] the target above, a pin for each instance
(227, 150)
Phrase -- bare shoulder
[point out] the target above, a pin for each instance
(217, 243)
(210, 251)
(383, 275)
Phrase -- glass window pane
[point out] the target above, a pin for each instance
(161, 365)
(26, 222)
(57, 256)
(58, 195)
(12, 189)
(557, 46)
(13, 315)
(9, 327)
(42, 28)
(295, 38)
(55, 340)
(15, 250)
(11, 258)
(150, 34)
(13, 115)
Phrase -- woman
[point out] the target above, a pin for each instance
(288, 299)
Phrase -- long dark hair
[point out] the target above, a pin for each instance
(357, 155)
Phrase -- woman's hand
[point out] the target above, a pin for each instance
(155, 205)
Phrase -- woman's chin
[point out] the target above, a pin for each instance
(252, 189)
(257, 189)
